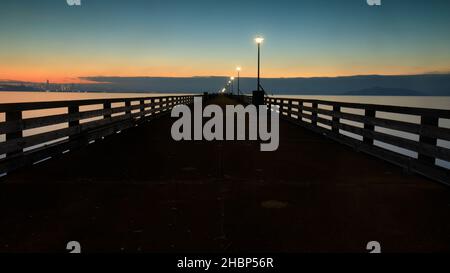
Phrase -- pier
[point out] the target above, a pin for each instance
(113, 179)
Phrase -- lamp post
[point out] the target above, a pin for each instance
(238, 69)
(258, 95)
(259, 41)
(232, 84)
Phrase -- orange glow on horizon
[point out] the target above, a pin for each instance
(77, 75)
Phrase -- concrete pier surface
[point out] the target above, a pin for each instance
(140, 191)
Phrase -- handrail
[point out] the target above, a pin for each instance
(372, 129)
(441, 113)
(79, 127)
(26, 106)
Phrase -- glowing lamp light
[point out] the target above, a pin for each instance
(259, 40)
(238, 68)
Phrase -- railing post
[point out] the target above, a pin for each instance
(289, 112)
(142, 107)
(300, 111)
(14, 116)
(128, 104)
(428, 121)
(369, 113)
(336, 120)
(107, 107)
(151, 107)
(315, 106)
(73, 110)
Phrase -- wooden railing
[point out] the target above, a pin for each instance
(376, 130)
(73, 127)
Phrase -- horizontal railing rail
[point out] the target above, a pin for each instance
(58, 133)
(407, 136)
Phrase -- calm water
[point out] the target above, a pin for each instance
(9, 97)
(424, 102)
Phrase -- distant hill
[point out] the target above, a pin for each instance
(381, 91)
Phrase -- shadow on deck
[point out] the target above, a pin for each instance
(142, 191)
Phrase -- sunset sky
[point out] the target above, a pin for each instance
(48, 39)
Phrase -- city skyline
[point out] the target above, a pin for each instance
(51, 40)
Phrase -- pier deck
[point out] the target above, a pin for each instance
(141, 191)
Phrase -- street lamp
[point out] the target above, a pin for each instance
(238, 69)
(259, 41)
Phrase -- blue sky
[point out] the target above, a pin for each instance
(48, 39)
